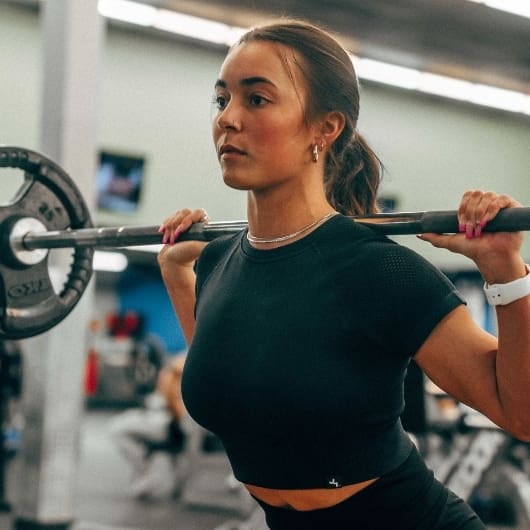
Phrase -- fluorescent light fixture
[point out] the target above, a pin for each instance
(386, 73)
(501, 99)
(109, 261)
(367, 69)
(516, 7)
(197, 28)
(127, 11)
(448, 87)
(445, 86)
(170, 21)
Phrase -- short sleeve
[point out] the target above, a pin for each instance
(210, 257)
(404, 296)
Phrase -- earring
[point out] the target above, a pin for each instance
(315, 153)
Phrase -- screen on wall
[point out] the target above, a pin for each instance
(119, 181)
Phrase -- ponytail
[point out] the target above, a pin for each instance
(353, 175)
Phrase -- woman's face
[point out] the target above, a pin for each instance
(260, 132)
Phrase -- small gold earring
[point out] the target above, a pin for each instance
(315, 153)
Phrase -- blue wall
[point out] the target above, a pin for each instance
(141, 289)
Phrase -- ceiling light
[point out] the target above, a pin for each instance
(501, 99)
(386, 73)
(516, 7)
(127, 11)
(445, 86)
(170, 21)
(448, 87)
(197, 28)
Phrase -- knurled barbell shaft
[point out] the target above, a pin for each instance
(508, 220)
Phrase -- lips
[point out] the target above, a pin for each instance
(227, 149)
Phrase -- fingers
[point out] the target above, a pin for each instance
(477, 208)
(179, 222)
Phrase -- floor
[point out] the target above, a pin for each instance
(104, 503)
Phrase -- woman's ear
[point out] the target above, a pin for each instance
(331, 126)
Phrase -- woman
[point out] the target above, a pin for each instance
(301, 329)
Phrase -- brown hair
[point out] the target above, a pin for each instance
(353, 171)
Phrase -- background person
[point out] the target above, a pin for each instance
(149, 436)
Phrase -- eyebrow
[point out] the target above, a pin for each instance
(248, 81)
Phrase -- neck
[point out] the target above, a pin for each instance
(290, 238)
(271, 220)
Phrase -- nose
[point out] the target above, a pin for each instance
(225, 123)
(226, 119)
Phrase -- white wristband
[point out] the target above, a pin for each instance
(506, 293)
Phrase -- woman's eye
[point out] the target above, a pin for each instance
(219, 101)
(257, 100)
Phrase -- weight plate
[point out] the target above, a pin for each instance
(29, 304)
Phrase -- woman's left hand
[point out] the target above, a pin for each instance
(497, 254)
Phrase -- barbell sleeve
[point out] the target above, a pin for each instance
(508, 220)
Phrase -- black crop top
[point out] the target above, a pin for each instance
(299, 353)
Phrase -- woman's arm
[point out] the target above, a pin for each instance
(490, 374)
(473, 367)
(176, 261)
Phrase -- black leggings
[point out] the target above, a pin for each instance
(408, 498)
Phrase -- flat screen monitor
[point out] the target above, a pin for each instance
(119, 181)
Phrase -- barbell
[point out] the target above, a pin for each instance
(49, 212)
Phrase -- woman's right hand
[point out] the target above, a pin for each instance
(184, 254)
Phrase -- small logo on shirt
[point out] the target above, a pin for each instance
(333, 482)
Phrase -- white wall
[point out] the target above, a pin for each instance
(436, 149)
(156, 101)
(19, 77)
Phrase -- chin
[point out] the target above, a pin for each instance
(236, 183)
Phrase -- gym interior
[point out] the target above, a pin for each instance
(123, 105)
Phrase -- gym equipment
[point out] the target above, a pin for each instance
(10, 391)
(488, 468)
(48, 199)
(48, 212)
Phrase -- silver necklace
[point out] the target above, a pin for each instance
(318, 222)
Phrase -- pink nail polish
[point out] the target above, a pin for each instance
(461, 227)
